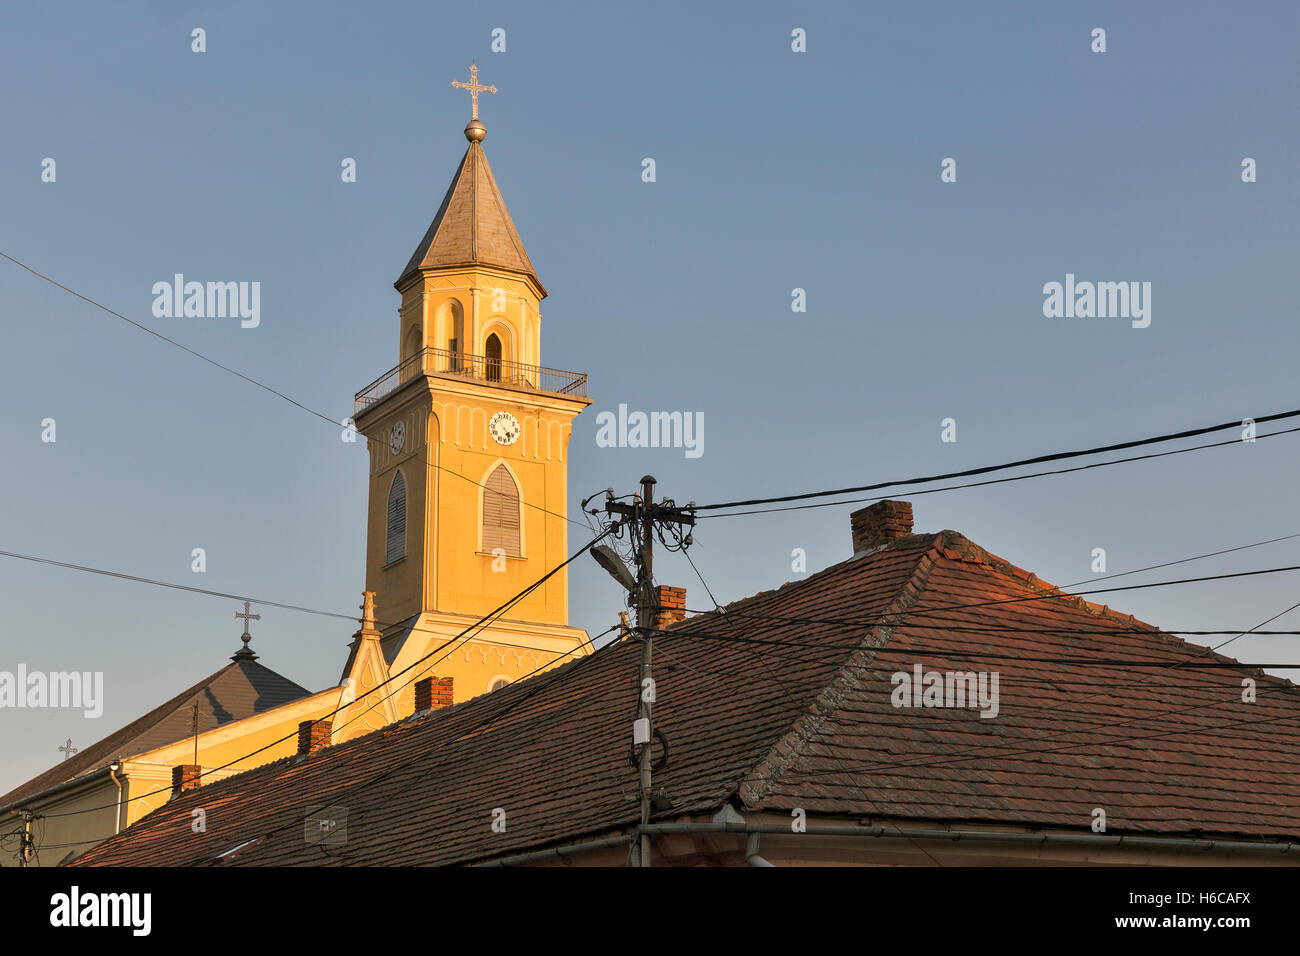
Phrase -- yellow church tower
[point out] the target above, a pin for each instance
(468, 438)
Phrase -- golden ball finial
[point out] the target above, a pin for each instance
(475, 131)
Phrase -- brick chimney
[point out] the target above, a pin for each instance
(313, 735)
(433, 693)
(186, 776)
(442, 693)
(879, 524)
(672, 605)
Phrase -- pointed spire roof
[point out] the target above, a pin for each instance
(473, 226)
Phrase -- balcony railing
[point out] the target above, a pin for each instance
(446, 364)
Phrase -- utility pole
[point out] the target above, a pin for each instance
(25, 854)
(642, 516)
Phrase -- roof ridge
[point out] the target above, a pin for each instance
(413, 264)
(906, 543)
(77, 768)
(788, 748)
(512, 233)
(965, 550)
(473, 222)
(124, 742)
(269, 774)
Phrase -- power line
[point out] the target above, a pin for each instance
(121, 575)
(253, 381)
(753, 501)
(477, 728)
(1057, 593)
(1115, 631)
(1195, 557)
(732, 614)
(481, 621)
(1035, 752)
(777, 684)
(97, 842)
(976, 752)
(949, 654)
(508, 606)
(969, 472)
(183, 348)
(274, 604)
(1146, 629)
(914, 492)
(735, 613)
(501, 494)
(1126, 587)
(1039, 459)
(998, 629)
(222, 594)
(1055, 680)
(1146, 682)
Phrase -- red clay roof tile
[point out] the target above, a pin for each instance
(806, 723)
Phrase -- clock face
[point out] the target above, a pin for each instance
(504, 428)
(397, 438)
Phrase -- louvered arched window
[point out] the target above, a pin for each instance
(396, 520)
(501, 513)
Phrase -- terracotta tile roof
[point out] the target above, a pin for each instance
(1172, 751)
(472, 226)
(803, 724)
(238, 690)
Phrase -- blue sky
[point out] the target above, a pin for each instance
(775, 171)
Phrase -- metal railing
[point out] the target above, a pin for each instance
(447, 364)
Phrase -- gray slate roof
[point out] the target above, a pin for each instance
(240, 689)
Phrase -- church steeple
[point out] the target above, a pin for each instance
(468, 438)
(472, 227)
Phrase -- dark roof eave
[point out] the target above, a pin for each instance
(13, 806)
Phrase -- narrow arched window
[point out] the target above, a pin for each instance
(501, 513)
(412, 353)
(455, 334)
(499, 683)
(492, 351)
(414, 343)
(396, 520)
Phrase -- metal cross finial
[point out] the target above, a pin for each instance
(474, 88)
(67, 749)
(247, 617)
